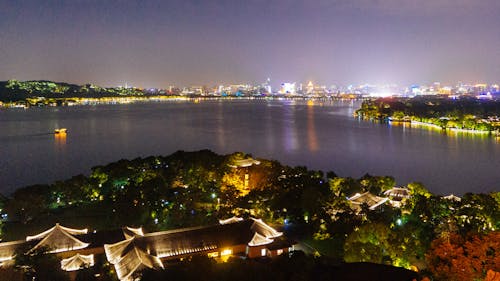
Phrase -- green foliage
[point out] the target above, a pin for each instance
(378, 243)
(41, 91)
(377, 184)
(369, 243)
(464, 113)
(188, 188)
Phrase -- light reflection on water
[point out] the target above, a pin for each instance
(291, 141)
(311, 130)
(321, 135)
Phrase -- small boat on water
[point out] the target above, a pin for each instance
(60, 131)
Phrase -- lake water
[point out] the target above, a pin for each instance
(322, 135)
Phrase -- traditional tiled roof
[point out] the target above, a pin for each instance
(242, 163)
(130, 232)
(398, 193)
(265, 230)
(59, 239)
(259, 240)
(371, 200)
(452, 198)
(130, 250)
(77, 262)
(8, 250)
(230, 220)
(130, 256)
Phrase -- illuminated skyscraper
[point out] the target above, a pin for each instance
(287, 88)
(310, 88)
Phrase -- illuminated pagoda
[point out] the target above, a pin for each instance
(235, 236)
(77, 262)
(130, 256)
(8, 250)
(452, 197)
(130, 232)
(397, 195)
(230, 220)
(131, 250)
(398, 192)
(59, 239)
(243, 163)
(372, 201)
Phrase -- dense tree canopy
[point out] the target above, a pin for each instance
(198, 188)
(464, 113)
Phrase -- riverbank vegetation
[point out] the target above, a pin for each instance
(198, 188)
(465, 113)
(33, 92)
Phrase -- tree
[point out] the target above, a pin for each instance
(446, 259)
(452, 258)
(376, 184)
(478, 213)
(369, 243)
(27, 203)
(39, 264)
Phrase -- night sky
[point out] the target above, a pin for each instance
(188, 42)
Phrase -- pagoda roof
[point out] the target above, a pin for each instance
(242, 163)
(129, 256)
(230, 220)
(8, 250)
(452, 197)
(398, 193)
(373, 201)
(77, 262)
(259, 240)
(265, 230)
(139, 251)
(130, 232)
(59, 239)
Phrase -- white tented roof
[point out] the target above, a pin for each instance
(230, 220)
(452, 197)
(373, 201)
(77, 262)
(130, 232)
(59, 239)
(263, 229)
(259, 240)
(129, 258)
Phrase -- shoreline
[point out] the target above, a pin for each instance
(75, 101)
(447, 129)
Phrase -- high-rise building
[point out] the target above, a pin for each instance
(288, 88)
(310, 88)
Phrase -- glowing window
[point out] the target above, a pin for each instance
(263, 252)
(213, 254)
(279, 251)
(226, 252)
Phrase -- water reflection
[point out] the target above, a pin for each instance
(221, 133)
(311, 131)
(60, 141)
(268, 123)
(290, 131)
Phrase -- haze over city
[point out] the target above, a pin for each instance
(162, 43)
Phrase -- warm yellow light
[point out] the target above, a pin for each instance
(226, 252)
(213, 254)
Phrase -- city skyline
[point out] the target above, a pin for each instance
(157, 44)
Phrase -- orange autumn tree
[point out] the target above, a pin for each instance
(452, 258)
